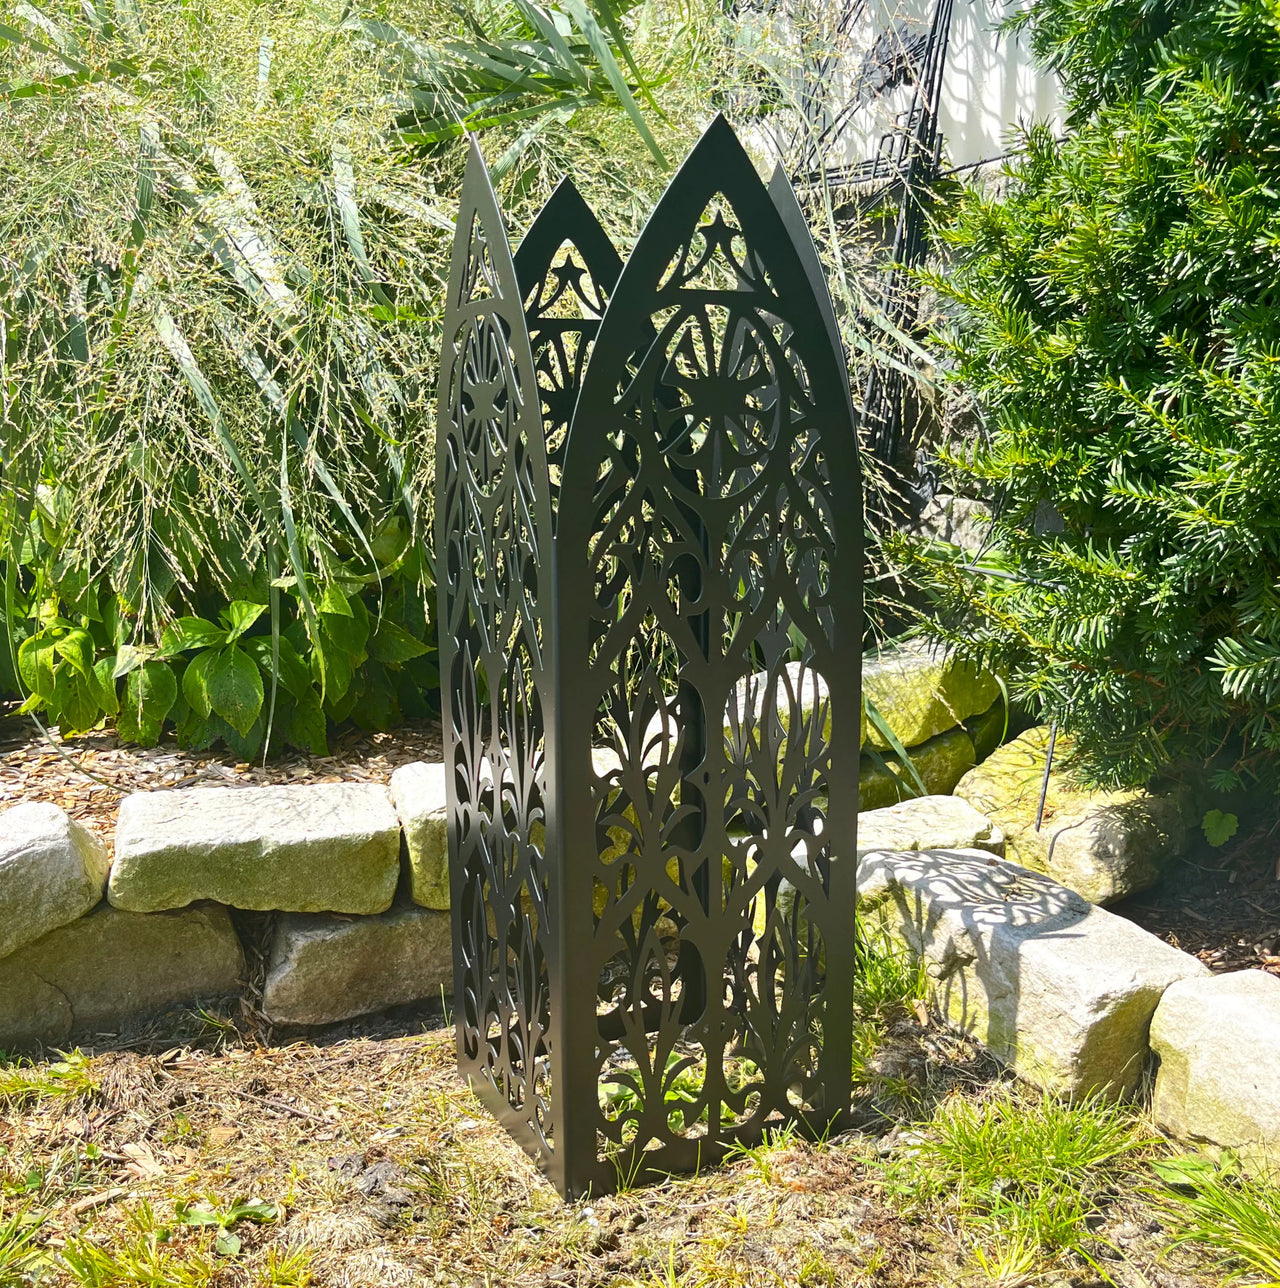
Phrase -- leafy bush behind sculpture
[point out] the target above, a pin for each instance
(221, 260)
(1115, 312)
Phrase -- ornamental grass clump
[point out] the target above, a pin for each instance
(224, 232)
(1114, 311)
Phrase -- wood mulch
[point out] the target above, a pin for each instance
(90, 775)
(1222, 906)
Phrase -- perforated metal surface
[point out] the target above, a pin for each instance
(654, 914)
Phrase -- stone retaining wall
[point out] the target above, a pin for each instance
(358, 873)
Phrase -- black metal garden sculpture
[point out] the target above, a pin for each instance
(648, 540)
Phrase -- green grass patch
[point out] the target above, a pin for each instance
(18, 1249)
(1021, 1172)
(23, 1080)
(1236, 1217)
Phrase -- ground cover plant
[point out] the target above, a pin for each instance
(1211, 1202)
(1113, 310)
(223, 237)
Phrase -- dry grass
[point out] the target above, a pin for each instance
(373, 1165)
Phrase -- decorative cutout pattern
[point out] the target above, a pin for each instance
(655, 908)
(567, 269)
(493, 543)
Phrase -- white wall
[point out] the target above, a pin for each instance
(989, 84)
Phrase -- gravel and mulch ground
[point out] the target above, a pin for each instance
(1222, 906)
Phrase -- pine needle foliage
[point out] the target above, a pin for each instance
(1114, 307)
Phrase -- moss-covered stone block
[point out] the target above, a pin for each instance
(921, 691)
(1104, 845)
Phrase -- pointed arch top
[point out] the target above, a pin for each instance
(484, 304)
(719, 242)
(567, 270)
(567, 218)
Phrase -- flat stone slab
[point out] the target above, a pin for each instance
(324, 969)
(1059, 990)
(52, 871)
(93, 974)
(418, 791)
(319, 847)
(1103, 845)
(1218, 1083)
(928, 823)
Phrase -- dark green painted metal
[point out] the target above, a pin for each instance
(653, 910)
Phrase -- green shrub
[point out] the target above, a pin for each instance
(223, 237)
(1115, 312)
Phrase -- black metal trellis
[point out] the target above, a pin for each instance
(649, 555)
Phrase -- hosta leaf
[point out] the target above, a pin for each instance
(293, 673)
(245, 746)
(332, 669)
(150, 693)
(195, 683)
(128, 658)
(393, 644)
(234, 687)
(377, 707)
(240, 615)
(334, 601)
(349, 633)
(37, 657)
(104, 674)
(190, 632)
(75, 704)
(77, 648)
(305, 726)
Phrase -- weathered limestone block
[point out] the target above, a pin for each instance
(94, 973)
(1218, 1084)
(922, 691)
(748, 705)
(418, 791)
(324, 969)
(1103, 845)
(1061, 991)
(320, 847)
(52, 871)
(928, 823)
(958, 520)
(941, 763)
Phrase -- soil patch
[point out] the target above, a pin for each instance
(356, 1158)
